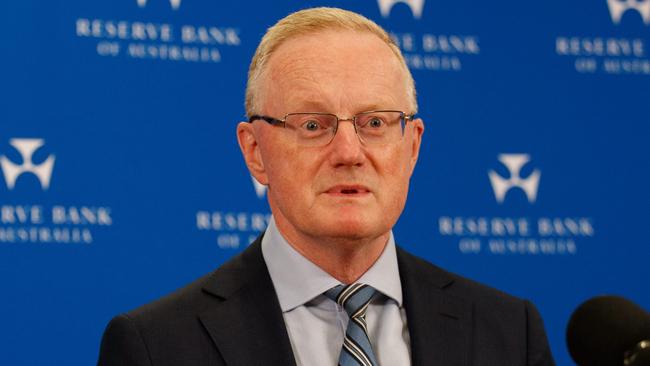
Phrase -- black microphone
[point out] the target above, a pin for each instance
(608, 331)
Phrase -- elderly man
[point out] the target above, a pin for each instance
(332, 132)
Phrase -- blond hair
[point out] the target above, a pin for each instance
(311, 21)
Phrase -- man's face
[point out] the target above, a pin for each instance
(343, 190)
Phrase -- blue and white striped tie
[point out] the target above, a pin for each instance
(354, 298)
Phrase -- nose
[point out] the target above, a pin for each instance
(346, 148)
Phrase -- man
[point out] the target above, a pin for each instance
(332, 133)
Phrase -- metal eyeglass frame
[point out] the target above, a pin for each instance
(404, 119)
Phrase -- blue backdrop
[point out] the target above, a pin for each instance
(122, 180)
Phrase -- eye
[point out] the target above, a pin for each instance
(311, 125)
(375, 122)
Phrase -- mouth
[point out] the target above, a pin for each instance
(348, 190)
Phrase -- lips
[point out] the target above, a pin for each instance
(348, 190)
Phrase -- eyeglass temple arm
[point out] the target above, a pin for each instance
(271, 120)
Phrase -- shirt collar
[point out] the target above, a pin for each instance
(297, 280)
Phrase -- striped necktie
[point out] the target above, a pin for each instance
(354, 298)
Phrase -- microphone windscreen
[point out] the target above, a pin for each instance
(603, 328)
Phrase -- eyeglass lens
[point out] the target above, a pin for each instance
(373, 128)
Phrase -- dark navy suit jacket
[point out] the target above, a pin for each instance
(232, 317)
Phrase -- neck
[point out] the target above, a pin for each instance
(343, 258)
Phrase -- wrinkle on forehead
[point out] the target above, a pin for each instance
(323, 68)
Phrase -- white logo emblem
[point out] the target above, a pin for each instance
(416, 7)
(174, 3)
(27, 147)
(260, 189)
(618, 7)
(514, 163)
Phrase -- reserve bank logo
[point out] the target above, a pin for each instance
(618, 7)
(26, 147)
(175, 4)
(514, 163)
(416, 6)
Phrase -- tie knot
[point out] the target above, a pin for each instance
(353, 298)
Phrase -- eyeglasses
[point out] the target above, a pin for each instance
(318, 129)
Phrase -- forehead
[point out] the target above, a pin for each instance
(339, 69)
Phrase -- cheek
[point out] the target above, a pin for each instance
(395, 164)
(291, 171)
(395, 173)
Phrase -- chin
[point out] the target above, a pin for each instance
(353, 229)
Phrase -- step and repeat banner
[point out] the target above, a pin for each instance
(121, 179)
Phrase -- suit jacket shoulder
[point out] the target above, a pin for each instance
(225, 317)
(456, 321)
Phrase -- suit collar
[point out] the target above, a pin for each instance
(439, 323)
(247, 325)
(296, 279)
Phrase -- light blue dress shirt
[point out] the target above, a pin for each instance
(316, 324)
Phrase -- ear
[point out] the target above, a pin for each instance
(250, 149)
(417, 129)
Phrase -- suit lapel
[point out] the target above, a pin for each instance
(247, 325)
(439, 324)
